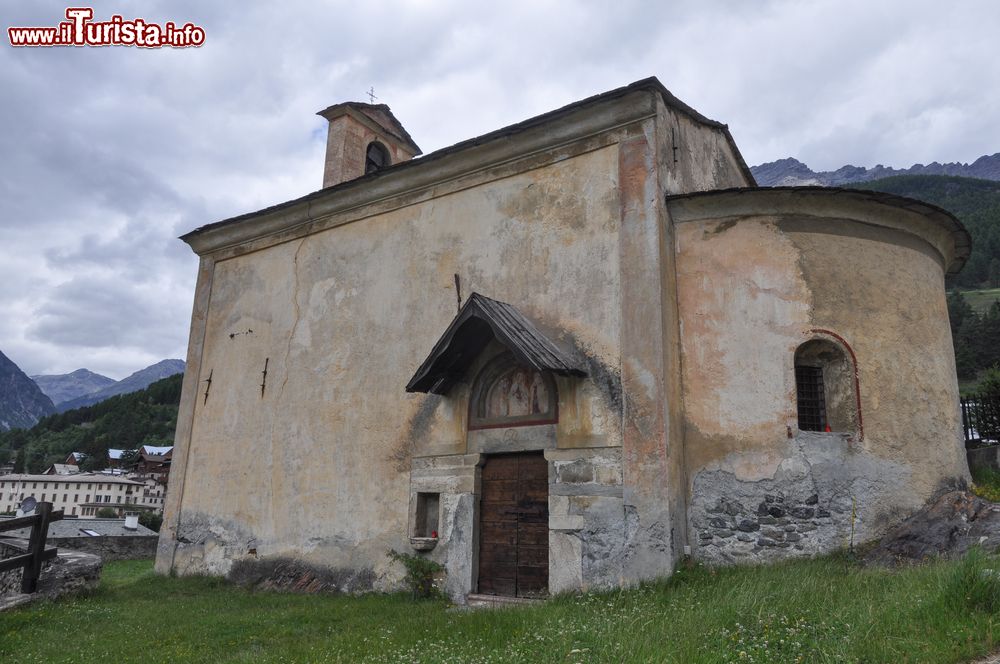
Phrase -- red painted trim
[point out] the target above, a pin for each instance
(857, 381)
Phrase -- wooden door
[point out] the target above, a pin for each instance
(514, 526)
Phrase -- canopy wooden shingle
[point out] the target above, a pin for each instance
(481, 320)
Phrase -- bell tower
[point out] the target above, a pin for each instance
(363, 138)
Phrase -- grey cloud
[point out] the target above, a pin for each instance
(109, 154)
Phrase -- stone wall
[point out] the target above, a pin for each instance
(140, 547)
(984, 457)
(69, 572)
(10, 581)
(587, 519)
(739, 531)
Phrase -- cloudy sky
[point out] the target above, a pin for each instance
(108, 154)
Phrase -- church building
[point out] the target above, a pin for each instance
(560, 356)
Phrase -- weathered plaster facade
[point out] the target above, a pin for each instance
(683, 312)
(759, 274)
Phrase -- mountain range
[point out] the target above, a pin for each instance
(133, 383)
(23, 401)
(791, 172)
(64, 387)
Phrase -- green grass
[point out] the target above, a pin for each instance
(981, 300)
(824, 610)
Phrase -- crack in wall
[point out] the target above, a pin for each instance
(277, 462)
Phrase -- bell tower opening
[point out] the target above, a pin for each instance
(363, 139)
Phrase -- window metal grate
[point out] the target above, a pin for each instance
(811, 400)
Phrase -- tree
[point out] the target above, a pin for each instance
(958, 310)
(990, 383)
(994, 273)
(129, 459)
(107, 513)
(151, 520)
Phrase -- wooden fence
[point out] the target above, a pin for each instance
(981, 419)
(37, 553)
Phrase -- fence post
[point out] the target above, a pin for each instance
(36, 547)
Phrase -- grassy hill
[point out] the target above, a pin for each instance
(981, 300)
(146, 417)
(823, 611)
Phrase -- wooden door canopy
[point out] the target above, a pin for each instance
(480, 321)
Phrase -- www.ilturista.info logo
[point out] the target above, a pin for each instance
(80, 30)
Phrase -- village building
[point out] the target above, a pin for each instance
(152, 469)
(560, 356)
(81, 495)
(62, 469)
(149, 465)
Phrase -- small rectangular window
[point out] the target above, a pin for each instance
(811, 399)
(427, 514)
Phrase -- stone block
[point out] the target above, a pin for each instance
(566, 522)
(575, 472)
(607, 474)
(565, 562)
(558, 505)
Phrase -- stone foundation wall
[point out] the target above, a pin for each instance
(110, 548)
(740, 531)
(760, 510)
(587, 529)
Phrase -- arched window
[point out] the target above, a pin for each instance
(376, 157)
(507, 394)
(825, 388)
